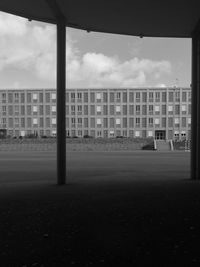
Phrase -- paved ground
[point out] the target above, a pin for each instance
(127, 209)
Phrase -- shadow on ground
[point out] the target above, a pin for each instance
(127, 209)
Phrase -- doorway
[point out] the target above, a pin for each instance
(160, 135)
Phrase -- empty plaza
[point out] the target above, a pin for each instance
(120, 208)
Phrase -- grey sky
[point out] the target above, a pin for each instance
(27, 58)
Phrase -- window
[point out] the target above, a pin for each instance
(131, 122)
(171, 97)
(137, 96)
(177, 96)
(118, 109)
(137, 133)
(72, 97)
(47, 95)
(16, 110)
(98, 96)
(112, 97)
(189, 109)
(79, 96)
(137, 120)
(118, 121)
(72, 110)
(53, 108)
(176, 122)
(177, 109)
(150, 96)
(189, 96)
(92, 99)
(164, 98)
(150, 133)
(53, 96)
(163, 109)
(170, 122)
(4, 110)
(17, 122)
(164, 122)
(157, 109)
(85, 110)
(189, 121)
(22, 122)
(105, 97)
(124, 97)
(131, 97)
(85, 97)
(118, 96)
(10, 97)
(80, 133)
(144, 97)
(53, 120)
(4, 97)
(105, 122)
(137, 110)
(98, 109)
(73, 121)
(144, 110)
(150, 122)
(92, 110)
(16, 95)
(184, 97)
(79, 122)
(35, 96)
(183, 122)
(183, 109)
(170, 109)
(144, 122)
(98, 121)
(157, 96)
(35, 108)
(79, 110)
(157, 121)
(150, 109)
(35, 121)
(41, 97)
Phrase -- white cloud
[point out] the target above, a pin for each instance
(100, 70)
(32, 47)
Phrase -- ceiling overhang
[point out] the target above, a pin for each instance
(154, 18)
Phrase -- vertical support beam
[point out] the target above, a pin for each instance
(61, 85)
(194, 108)
(195, 129)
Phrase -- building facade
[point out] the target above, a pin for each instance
(161, 113)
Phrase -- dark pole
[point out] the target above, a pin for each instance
(194, 108)
(197, 56)
(61, 85)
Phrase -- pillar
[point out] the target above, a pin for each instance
(61, 85)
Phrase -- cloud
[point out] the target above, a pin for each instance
(101, 71)
(32, 47)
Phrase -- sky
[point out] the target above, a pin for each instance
(94, 60)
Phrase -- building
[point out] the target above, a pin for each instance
(161, 113)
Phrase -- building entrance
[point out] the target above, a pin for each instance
(160, 135)
(3, 133)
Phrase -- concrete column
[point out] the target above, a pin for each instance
(195, 131)
(61, 85)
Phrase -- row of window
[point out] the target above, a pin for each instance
(16, 97)
(30, 97)
(99, 122)
(98, 110)
(133, 97)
